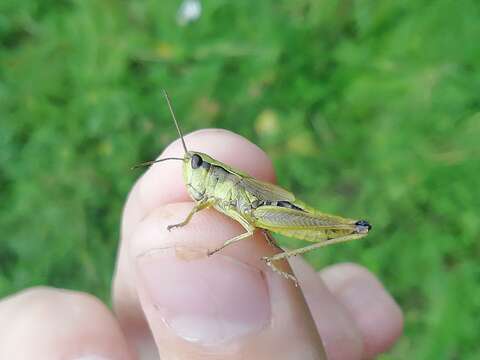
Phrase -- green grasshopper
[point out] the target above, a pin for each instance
(257, 204)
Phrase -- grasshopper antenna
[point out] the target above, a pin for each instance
(146, 163)
(165, 94)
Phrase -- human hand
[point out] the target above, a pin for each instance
(170, 300)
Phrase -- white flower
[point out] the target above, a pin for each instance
(189, 11)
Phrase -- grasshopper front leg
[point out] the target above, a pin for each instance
(198, 206)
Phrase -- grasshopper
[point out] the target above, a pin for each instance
(258, 205)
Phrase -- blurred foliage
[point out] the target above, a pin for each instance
(368, 109)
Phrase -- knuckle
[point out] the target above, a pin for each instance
(340, 275)
(26, 295)
(355, 270)
(41, 303)
(35, 292)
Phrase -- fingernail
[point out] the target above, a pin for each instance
(207, 300)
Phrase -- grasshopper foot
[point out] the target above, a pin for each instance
(174, 226)
(286, 275)
(211, 252)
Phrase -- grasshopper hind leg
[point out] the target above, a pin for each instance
(290, 253)
(305, 249)
(269, 261)
(271, 240)
(285, 274)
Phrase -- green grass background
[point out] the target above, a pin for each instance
(368, 109)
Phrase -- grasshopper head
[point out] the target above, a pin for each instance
(195, 170)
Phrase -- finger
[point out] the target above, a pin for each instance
(229, 305)
(374, 311)
(340, 334)
(43, 323)
(163, 183)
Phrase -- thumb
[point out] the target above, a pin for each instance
(226, 306)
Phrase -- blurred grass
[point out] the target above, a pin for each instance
(368, 109)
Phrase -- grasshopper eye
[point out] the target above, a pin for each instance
(196, 161)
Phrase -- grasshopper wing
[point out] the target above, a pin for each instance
(302, 225)
(266, 191)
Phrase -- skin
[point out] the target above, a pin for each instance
(343, 311)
